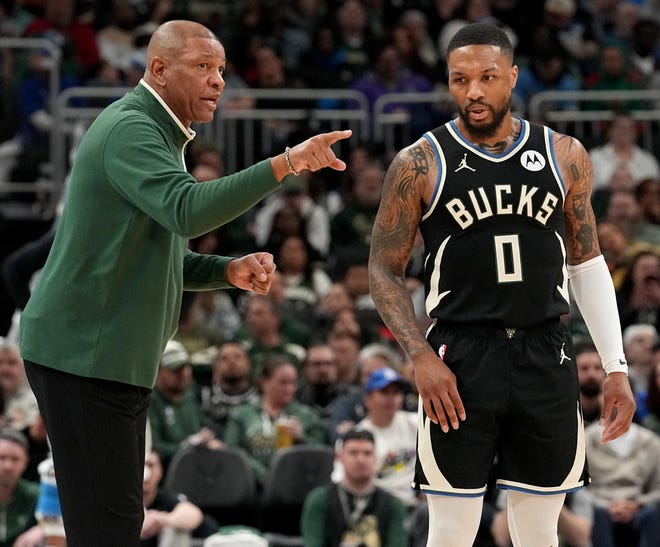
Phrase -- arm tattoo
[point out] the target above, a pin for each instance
(581, 236)
(394, 221)
(574, 172)
(419, 160)
(392, 240)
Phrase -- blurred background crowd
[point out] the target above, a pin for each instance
(305, 363)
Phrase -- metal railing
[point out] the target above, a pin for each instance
(246, 135)
(394, 129)
(589, 109)
(243, 135)
(43, 187)
(71, 121)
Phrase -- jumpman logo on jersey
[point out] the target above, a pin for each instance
(464, 165)
(562, 356)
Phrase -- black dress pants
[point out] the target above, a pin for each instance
(96, 429)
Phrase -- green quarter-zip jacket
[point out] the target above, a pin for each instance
(109, 296)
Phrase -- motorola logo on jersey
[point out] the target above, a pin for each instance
(532, 160)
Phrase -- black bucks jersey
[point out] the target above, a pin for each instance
(493, 233)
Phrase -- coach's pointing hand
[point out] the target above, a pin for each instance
(313, 154)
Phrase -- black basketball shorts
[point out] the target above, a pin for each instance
(521, 397)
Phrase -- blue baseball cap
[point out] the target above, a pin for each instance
(382, 378)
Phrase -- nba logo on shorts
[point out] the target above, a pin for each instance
(442, 350)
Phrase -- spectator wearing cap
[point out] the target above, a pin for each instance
(18, 497)
(349, 409)
(175, 414)
(395, 432)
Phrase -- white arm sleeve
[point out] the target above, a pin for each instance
(594, 294)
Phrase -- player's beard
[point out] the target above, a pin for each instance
(486, 131)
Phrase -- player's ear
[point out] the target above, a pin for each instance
(514, 75)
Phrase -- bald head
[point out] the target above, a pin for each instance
(185, 65)
(171, 38)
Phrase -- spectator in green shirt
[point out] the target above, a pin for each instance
(175, 414)
(354, 511)
(18, 497)
(276, 421)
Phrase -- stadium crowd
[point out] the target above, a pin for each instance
(311, 360)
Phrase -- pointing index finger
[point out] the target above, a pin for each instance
(334, 136)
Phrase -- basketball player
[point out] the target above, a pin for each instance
(109, 297)
(503, 206)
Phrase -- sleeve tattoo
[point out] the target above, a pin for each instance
(392, 240)
(581, 236)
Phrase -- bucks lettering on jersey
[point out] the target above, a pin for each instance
(493, 234)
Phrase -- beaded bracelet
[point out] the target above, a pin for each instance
(287, 161)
